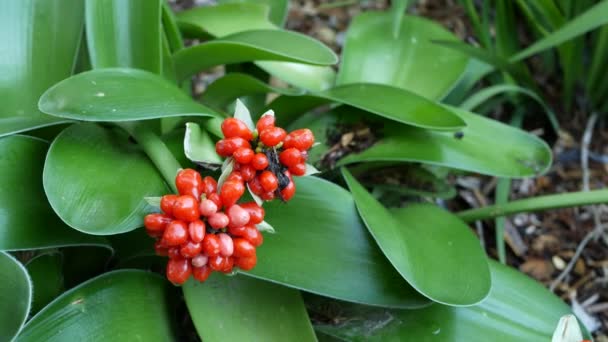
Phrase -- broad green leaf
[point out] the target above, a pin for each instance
(309, 77)
(169, 21)
(278, 9)
(429, 247)
(124, 34)
(26, 219)
(408, 60)
(117, 306)
(45, 271)
(96, 180)
(39, 41)
(253, 45)
(119, 94)
(321, 246)
(517, 309)
(225, 90)
(486, 146)
(15, 296)
(245, 309)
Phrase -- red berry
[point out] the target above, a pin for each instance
(191, 249)
(255, 186)
(226, 147)
(175, 234)
(209, 186)
(200, 260)
(236, 231)
(247, 172)
(243, 248)
(201, 273)
(226, 244)
(235, 176)
(207, 207)
(253, 235)
(272, 136)
(298, 169)
(218, 220)
(221, 263)
(233, 127)
(156, 223)
(173, 253)
(288, 192)
(178, 271)
(186, 208)
(290, 156)
(247, 263)
(166, 204)
(256, 212)
(211, 245)
(238, 216)
(266, 121)
(269, 181)
(302, 139)
(259, 161)
(231, 192)
(215, 198)
(196, 231)
(267, 196)
(188, 182)
(160, 248)
(243, 155)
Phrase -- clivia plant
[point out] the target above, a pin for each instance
(106, 141)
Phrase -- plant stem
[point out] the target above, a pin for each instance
(570, 199)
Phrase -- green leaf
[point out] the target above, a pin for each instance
(47, 278)
(199, 147)
(254, 45)
(15, 296)
(124, 33)
(487, 147)
(121, 305)
(518, 309)
(329, 250)
(408, 60)
(246, 309)
(278, 9)
(428, 246)
(27, 220)
(96, 180)
(119, 94)
(39, 41)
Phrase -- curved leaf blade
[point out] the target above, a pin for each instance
(278, 9)
(45, 271)
(15, 296)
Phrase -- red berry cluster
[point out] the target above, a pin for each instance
(267, 157)
(197, 235)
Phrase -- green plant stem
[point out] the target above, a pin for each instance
(570, 199)
(502, 196)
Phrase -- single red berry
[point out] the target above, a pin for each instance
(209, 186)
(259, 161)
(215, 198)
(196, 231)
(188, 182)
(221, 263)
(201, 273)
(288, 192)
(207, 207)
(256, 212)
(173, 253)
(166, 204)
(238, 216)
(243, 155)
(176, 233)
(265, 122)
(233, 127)
(160, 248)
(247, 172)
(290, 157)
(243, 248)
(255, 186)
(236, 231)
(218, 220)
(269, 181)
(247, 263)
(231, 192)
(226, 147)
(156, 223)
(200, 260)
(235, 176)
(226, 244)
(272, 136)
(191, 249)
(186, 208)
(302, 139)
(253, 235)
(178, 271)
(298, 169)
(267, 196)
(211, 245)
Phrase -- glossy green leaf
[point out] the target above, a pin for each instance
(329, 250)
(253, 45)
(245, 309)
(45, 271)
(124, 33)
(39, 41)
(199, 147)
(487, 147)
(15, 296)
(117, 306)
(408, 60)
(309, 77)
(26, 219)
(96, 180)
(119, 94)
(278, 9)
(225, 90)
(518, 309)
(428, 246)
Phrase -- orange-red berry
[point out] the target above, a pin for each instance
(243, 248)
(256, 212)
(218, 220)
(255, 186)
(298, 169)
(211, 245)
(302, 139)
(175, 234)
(226, 244)
(166, 204)
(156, 223)
(200, 260)
(259, 161)
(221, 263)
(207, 207)
(246, 263)
(272, 136)
(188, 182)
(186, 208)
(231, 191)
(201, 273)
(191, 249)
(269, 181)
(196, 231)
(288, 192)
(209, 186)
(226, 147)
(215, 198)
(233, 127)
(253, 235)
(265, 122)
(178, 271)
(238, 216)
(290, 157)
(243, 155)
(247, 172)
